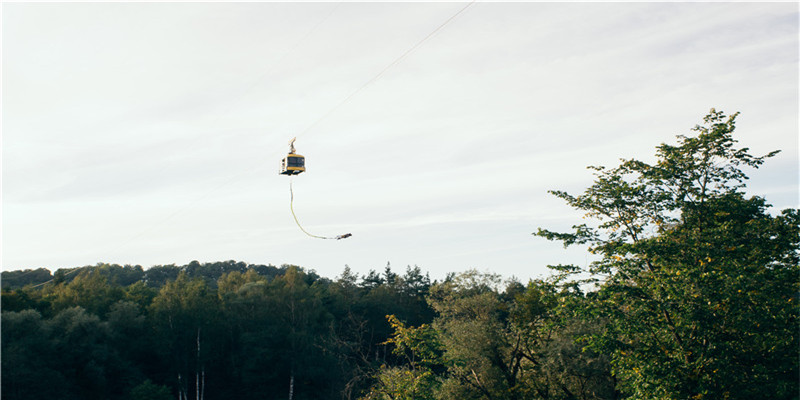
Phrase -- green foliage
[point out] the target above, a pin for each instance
(27, 358)
(19, 279)
(403, 383)
(80, 339)
(148, 390)
(485, 343)
(90, 289)
(422, 351)
(699, 280)
(419, 345)
(17, 300)
(226, 329)
(140, 294)
(249, 333)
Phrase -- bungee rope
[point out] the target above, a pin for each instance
(291, 207)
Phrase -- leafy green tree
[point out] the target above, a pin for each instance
(148, 390)
(19, 279)
(230, 283)
(520, 343)
(140, 294)
(351, 337)
(250, 331)
(184, 314)
(131, 336)
(84, 354)
(120, 275)
(402, 383)
(17, 300)
(211, 272)
(29, 359)
(483, 357)
(550, 318)
(298, 309)
(416, 379)
(90, 289)
(158, 275)
(277, 333)
(699, 281)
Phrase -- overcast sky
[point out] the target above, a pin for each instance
(152, 133)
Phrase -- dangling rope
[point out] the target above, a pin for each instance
(291, 207)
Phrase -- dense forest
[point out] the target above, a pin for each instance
(693, 296)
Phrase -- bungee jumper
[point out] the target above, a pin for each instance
(295, 164)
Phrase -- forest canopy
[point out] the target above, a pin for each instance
(694, 295)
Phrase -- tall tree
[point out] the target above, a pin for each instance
(29, 359)
(416, 379)
(484, 358)
(184, 313)
(700, 281)
(91, 289)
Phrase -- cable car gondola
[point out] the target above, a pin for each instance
(293, 164)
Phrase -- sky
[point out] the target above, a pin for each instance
(152, 133)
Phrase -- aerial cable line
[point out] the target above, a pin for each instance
(380, 74)
(291, 49)
(294, 164)
(54, 278)
(294, 46)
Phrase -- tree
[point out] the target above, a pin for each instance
(484, 358)
(19, 279)
(82, 352)
(416, 284)
(29, 359)
(304, 321)
(484, 343)
(416, 379)
(140, 294)
(699, 282)
(158, 275)
(90, 289)
(131, 338)
(148, 390)
(251, 332)
(120, 275)
(184, 313)
(16, 300)
(551, 322)
(372, 280)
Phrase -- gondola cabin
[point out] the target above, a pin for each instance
(293, 164)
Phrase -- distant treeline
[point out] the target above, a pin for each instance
(214, 330)
(155, 276)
